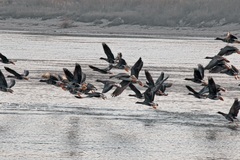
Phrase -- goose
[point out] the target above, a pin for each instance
(103, 71)
(228, 50)
(229, 38)
(233, 112)
(16, 74)
(198, 74)
(110, 57)
(108, 85)
(133, 78)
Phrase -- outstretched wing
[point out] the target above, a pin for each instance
(135, 90)
(77, 73)
(137, 67)
(234, 109)
(4, 58)
(97, 69)
(68, 74)
(12, 72)
(149, 78)
(119, 90)
(108, 52)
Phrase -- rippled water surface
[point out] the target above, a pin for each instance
(40, 121)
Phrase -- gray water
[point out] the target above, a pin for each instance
(40, 121)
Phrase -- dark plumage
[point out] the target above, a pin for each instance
(133, 78)
(17, 75)
(5, 60)
(228, 50)
(216, 60)
(77, 77)
(4, 86)
(53, 79)
(195, 93)
(233, 112)
(103, 71)
(231, 71)
(150, 93)
(110, 57)
(108, 85)
(229, 38)
(213, 92)
(93, 94)
(137, 94)
(198, 74)
(210, 90)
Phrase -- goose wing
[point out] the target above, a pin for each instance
(4, 58)
(108, 53)
(137, 67)
(11, 83)
(97, 69)
(135, 90)
(12, 72)
(68, 74)
(77, 73)
(3, 82)
(234, 108)
(149, 78)
(119, 90)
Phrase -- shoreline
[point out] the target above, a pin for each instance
(54, 27)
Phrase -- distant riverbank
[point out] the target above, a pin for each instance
(60, 26)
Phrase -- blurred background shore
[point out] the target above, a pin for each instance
(135, 18)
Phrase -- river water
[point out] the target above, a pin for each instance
(40, 121)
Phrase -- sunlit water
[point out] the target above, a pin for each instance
(40, 121)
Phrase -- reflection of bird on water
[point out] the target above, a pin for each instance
(233, 112)
(4, 86)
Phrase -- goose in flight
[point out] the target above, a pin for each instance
(150, 93)
(228, 50)
(233, 112)
(198, 74)
(103, 71)
(16, 74)
(229, 38)
(127, 79)
(110, 57)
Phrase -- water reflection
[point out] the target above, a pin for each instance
(72, 136)
(211, 134)
(182, 128)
